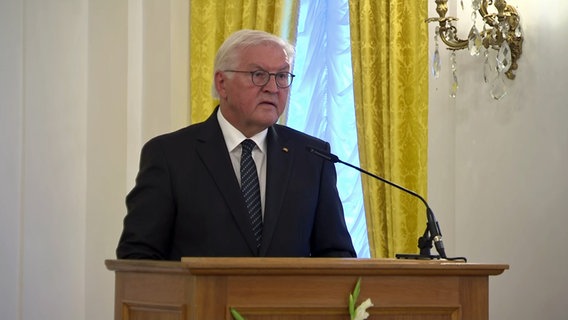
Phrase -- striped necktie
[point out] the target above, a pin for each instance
(251, 189)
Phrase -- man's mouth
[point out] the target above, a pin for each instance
(269, 103)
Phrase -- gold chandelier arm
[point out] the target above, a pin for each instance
(448, 32)
(491, 38)
(453, 42)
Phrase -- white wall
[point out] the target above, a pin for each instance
(497, 174)
(83, 83)
(11, 115)
(106, 142)
(43, 155)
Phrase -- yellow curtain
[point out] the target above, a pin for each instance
(389, 40)
(212, 21)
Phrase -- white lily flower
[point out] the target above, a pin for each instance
(361, 311)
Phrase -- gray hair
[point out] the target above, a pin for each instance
(229, 50)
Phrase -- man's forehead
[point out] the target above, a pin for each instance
(250, 56)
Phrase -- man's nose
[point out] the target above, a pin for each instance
(271, 84)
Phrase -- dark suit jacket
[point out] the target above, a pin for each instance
(187, 200)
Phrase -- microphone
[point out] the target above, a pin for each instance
(432, 232)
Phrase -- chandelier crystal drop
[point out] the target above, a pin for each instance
(454, 85)
(475, 5)
(504, 58)
(474, 42)
(436, 63)
(488, 69)
(499, 88)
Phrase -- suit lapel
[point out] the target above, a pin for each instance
(212, 150)
(279, 163)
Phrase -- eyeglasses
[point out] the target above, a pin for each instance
(260, 77)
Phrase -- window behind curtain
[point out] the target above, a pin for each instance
(321, 100)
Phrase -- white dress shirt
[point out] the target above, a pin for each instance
(233, 138)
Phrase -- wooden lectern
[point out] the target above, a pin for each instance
(300, 288)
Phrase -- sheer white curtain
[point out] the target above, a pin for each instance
(321, 100)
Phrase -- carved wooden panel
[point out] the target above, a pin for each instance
(383, 313)
(132, 310)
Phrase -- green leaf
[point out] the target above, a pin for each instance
(357, 289)
(236, 315)
(351, 307)
(353, 298)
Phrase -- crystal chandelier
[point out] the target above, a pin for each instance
(501, 32)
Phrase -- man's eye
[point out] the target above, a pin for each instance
(259, 74)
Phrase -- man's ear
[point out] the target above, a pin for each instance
(220, 84)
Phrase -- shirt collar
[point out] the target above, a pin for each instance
(233, 137)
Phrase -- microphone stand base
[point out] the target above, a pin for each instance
(417, 256)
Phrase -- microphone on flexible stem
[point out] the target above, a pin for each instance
(432, 232)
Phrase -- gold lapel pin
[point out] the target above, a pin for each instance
(285, 149)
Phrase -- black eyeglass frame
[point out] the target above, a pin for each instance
(289, 76)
